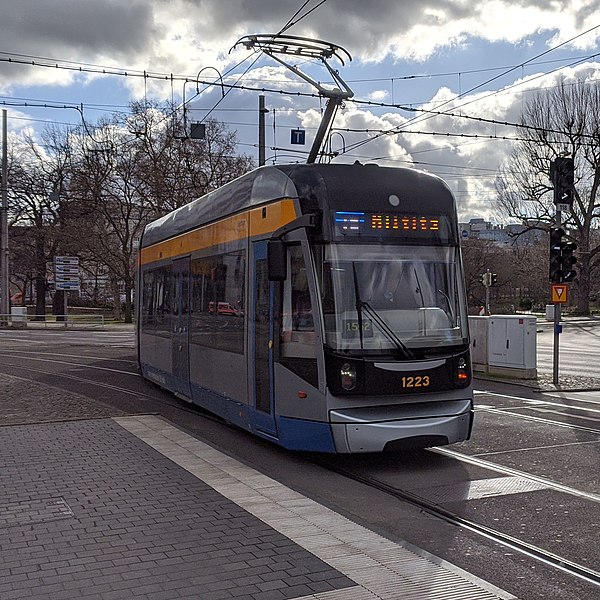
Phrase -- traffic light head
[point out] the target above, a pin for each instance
(494, 279)
(562, 173)
(568, 260)
(561, 257)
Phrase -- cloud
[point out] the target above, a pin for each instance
(191, 37)
(180, 36)
(72, 30)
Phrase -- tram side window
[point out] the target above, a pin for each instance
(148, 307)
(201, 325)
(218, 312)
(297, 325)
(157, 300)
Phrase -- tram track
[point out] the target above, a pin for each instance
(35, 355)
(510, 471)
(524, 548)
(157, 401)
(542, 420)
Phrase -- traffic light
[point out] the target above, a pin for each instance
(562, 174)
(561, 257)
(556, 272)
(494, 279)
(568, 260)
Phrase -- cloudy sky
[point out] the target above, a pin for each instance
(473, 59)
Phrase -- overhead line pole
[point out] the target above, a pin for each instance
(4, 287)
(261, 130)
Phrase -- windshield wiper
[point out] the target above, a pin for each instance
(387, 330)
(383, 326)
(359, 305)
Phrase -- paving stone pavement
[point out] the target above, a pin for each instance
(89, 511)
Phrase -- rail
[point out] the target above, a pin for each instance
(21, 321)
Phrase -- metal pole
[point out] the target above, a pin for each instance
(488, 282)
(4, 287)
(261, 130)
(65, 307)
(557, 311)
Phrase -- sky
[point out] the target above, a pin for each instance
(459, 57)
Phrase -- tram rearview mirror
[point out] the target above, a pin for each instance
(276, 260)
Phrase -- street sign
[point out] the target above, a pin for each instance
(66, 276)
(67, 285)
(560, 293)
(66, 260)
(66, 273)
(298, 136)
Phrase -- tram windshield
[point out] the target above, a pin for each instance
(382, 299)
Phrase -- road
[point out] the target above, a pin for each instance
(579, 346)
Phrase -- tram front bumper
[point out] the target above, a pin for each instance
(400, 434)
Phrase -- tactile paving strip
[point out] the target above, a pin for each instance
(382, 569)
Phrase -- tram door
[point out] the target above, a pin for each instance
(180, 326)
(262, 331)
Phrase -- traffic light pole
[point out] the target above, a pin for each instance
(562, 175)
(488, 282)
(557, 315)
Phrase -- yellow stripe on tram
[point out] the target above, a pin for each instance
(251, 223)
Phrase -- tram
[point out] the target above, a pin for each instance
(321, 307)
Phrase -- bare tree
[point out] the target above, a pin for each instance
(37, 178)
(134, 170)
(173, 170)
(562, 120)
(91, 193)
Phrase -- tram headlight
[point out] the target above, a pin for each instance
(348, 376)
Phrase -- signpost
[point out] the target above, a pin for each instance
(562, 175)
(66, 276)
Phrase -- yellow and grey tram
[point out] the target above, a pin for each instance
(318, 306)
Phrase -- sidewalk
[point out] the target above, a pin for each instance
(121, 507)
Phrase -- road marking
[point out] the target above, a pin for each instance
(509, 471)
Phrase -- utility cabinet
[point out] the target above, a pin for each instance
(478, 331)
(512, 341)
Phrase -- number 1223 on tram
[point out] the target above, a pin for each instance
(345, 327)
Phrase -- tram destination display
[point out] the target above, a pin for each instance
(392, 224)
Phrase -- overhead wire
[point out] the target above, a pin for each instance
(289, 23)
(71, 65)
(471, 90)
(391, 131)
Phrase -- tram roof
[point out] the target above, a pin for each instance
(341, 185)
